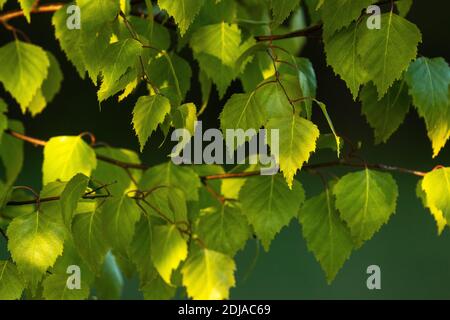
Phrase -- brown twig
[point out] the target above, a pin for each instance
(39, 9)
(48, 199)
(310, 31)
(342, 162)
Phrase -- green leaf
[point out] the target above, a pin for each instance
(35, 241)
(11, 282)
(119, 57)
(170, 175)
(221, 74)
(183, 11)
(281, 9)
(224, 229)
(109, 173)
(156, 34)
(242, 112)
(148, 112)
(97, 18)
(172, 75)
(218, 40)
(168, 201)
(216, 272)
(72, 193)
(326, 235)
(125, 84)
(230, 188)
(50, 87)
(89, 238)
(55, 288)
(151, 283)
(185, 117)
(26, 6)
(168, 250)
(404, 6)
(156, 288)
(71, 257)
(2, 2)
(308, 82)
(328, 141)
(387, 114)
(95, 13)
(366, 200)
(65, 156)
(140, 249)
(52, 84)
(24, 69)
(342, 56)
(69, 40)
(387, 52)
(206, 88)
(270, 205)
(436, 185)
(297, 140)
(271, 97)
(437, 214)
(337, 139)
(338, 14)
(119, 215)
(429, 81)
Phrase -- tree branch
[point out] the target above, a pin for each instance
(55, 198)
(41, 143)
(49, 8)
(299, 33)
(342, 162)
(40, 9)
(34, 141)
(306, 32)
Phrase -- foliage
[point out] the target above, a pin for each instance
(180, 226)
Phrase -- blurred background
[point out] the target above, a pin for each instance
(414, 260)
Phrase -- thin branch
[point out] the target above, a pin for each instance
(343, 162)
(33, 141)
(122, 164)
(55, 198)
(50, 8)
(306, 32)
(41, 143)
(40, 9)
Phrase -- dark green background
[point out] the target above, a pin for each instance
(414, 261)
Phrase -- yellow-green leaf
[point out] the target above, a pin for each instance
(208, 275)
(24, 69)
(11, 282)
(35, 241)
(326, 235)
(65, 156)
(148, 112)
(297, 140)
(366, 200)
(169, 249)
(436, 186)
